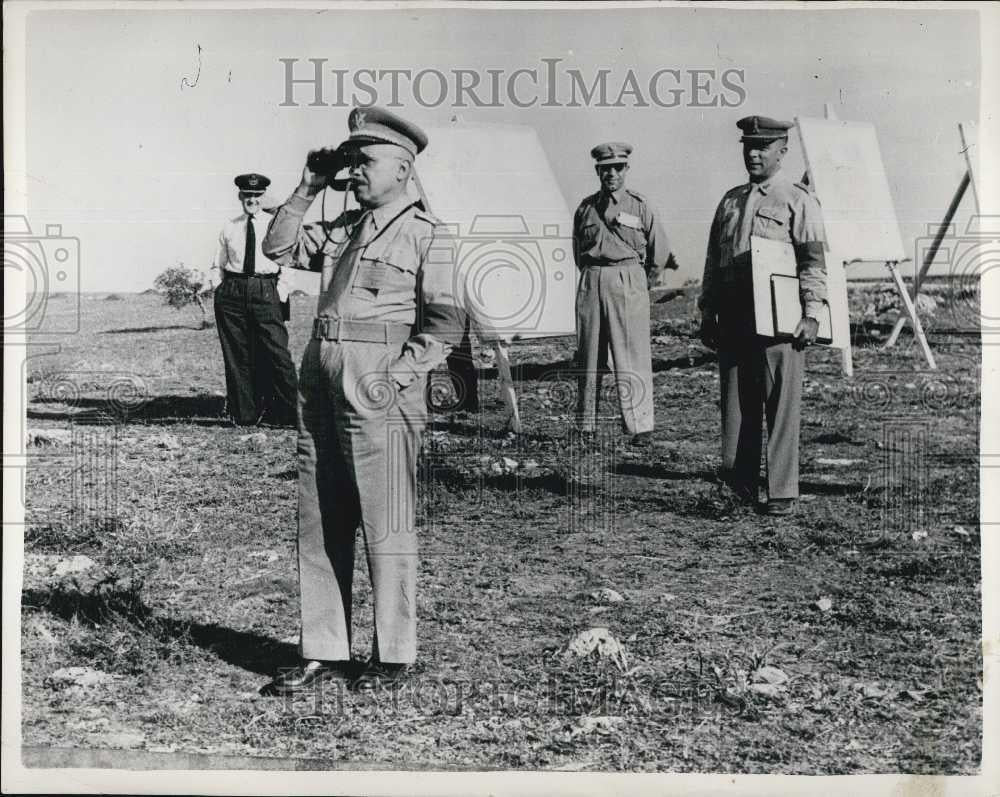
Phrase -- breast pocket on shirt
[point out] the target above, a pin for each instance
(772, 222)
(388, 272)
(634, 238)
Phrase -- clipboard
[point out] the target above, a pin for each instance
(776, 303)
(787, 309)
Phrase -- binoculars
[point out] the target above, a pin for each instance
(328, 162)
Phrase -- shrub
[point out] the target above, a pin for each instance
(181, 287)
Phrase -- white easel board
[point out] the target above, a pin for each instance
(493, 186)
(846, 171)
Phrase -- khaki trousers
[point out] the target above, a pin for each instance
(357, 452)
(612, 312)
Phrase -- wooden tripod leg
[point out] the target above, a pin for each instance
(847, 359)
(507, 386)
(911, 313)
(942, 230)
(896, 329)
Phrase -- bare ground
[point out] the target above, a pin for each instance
(868, 599)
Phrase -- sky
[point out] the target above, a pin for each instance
(137, 121)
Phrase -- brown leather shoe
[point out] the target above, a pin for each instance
(308, 675)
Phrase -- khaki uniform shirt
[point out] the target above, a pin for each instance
(394, 264)
(777, 209)
(619, 229)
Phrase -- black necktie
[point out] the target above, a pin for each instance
(248, 252)
(608, 209)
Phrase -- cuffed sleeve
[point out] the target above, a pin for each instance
(813, 310)
(810, 261)
(288, 242)
(421, 354)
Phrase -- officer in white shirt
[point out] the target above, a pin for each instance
(251, 306)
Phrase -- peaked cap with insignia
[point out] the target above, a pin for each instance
(611, 152)
(252, 183)
(762, 128)
(374, 125)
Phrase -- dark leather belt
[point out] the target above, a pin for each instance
(325, 328)
(241, 276)
(592, 263)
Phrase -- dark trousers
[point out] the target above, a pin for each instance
(760, 380)
(260, 377)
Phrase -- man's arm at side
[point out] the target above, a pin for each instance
(577, 218)
(441, 307)
(709, 299)
(809, 237)
(221, 259)
(708, 302)
(659, 258)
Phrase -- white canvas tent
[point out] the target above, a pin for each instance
(846, 171)
(493, 186)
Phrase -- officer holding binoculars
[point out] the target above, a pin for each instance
(386, 316)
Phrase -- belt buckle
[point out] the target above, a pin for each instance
(322, 328)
